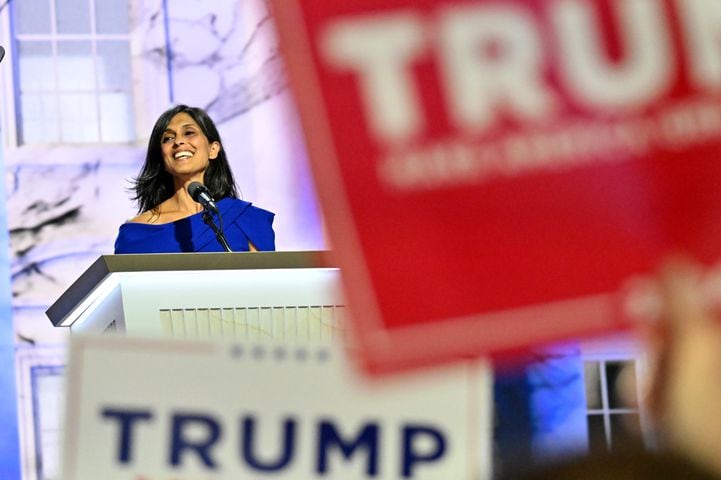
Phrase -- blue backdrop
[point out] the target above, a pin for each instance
(9, 445)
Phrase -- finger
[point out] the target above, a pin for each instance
(683, 303)
(681, 308)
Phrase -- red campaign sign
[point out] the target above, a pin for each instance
(498, 174)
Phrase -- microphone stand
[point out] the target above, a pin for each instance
(208, 219)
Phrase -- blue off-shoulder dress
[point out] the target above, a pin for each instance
(242, 223)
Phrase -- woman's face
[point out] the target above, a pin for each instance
(186, 150)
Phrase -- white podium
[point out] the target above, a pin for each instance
(255, 296)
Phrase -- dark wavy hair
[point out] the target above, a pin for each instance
(154, 185)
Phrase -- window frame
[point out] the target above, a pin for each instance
(149, 78)
(28, 361)
(615, 350)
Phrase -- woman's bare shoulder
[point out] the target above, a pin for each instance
(150, 216)
(166, 212)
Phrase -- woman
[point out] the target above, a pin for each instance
(185, 147)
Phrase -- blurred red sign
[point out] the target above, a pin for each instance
(495, 172)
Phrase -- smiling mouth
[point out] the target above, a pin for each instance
(182, 155)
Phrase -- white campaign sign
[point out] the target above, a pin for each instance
(150, 409)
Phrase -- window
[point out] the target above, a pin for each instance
(613, 420)
(41, 397)
(72, 71)
(48, 409)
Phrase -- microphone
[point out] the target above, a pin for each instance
(201, 194)
(2, 53)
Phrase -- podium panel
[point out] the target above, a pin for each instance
(293, 296)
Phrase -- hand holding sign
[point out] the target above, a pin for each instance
(687, 347)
